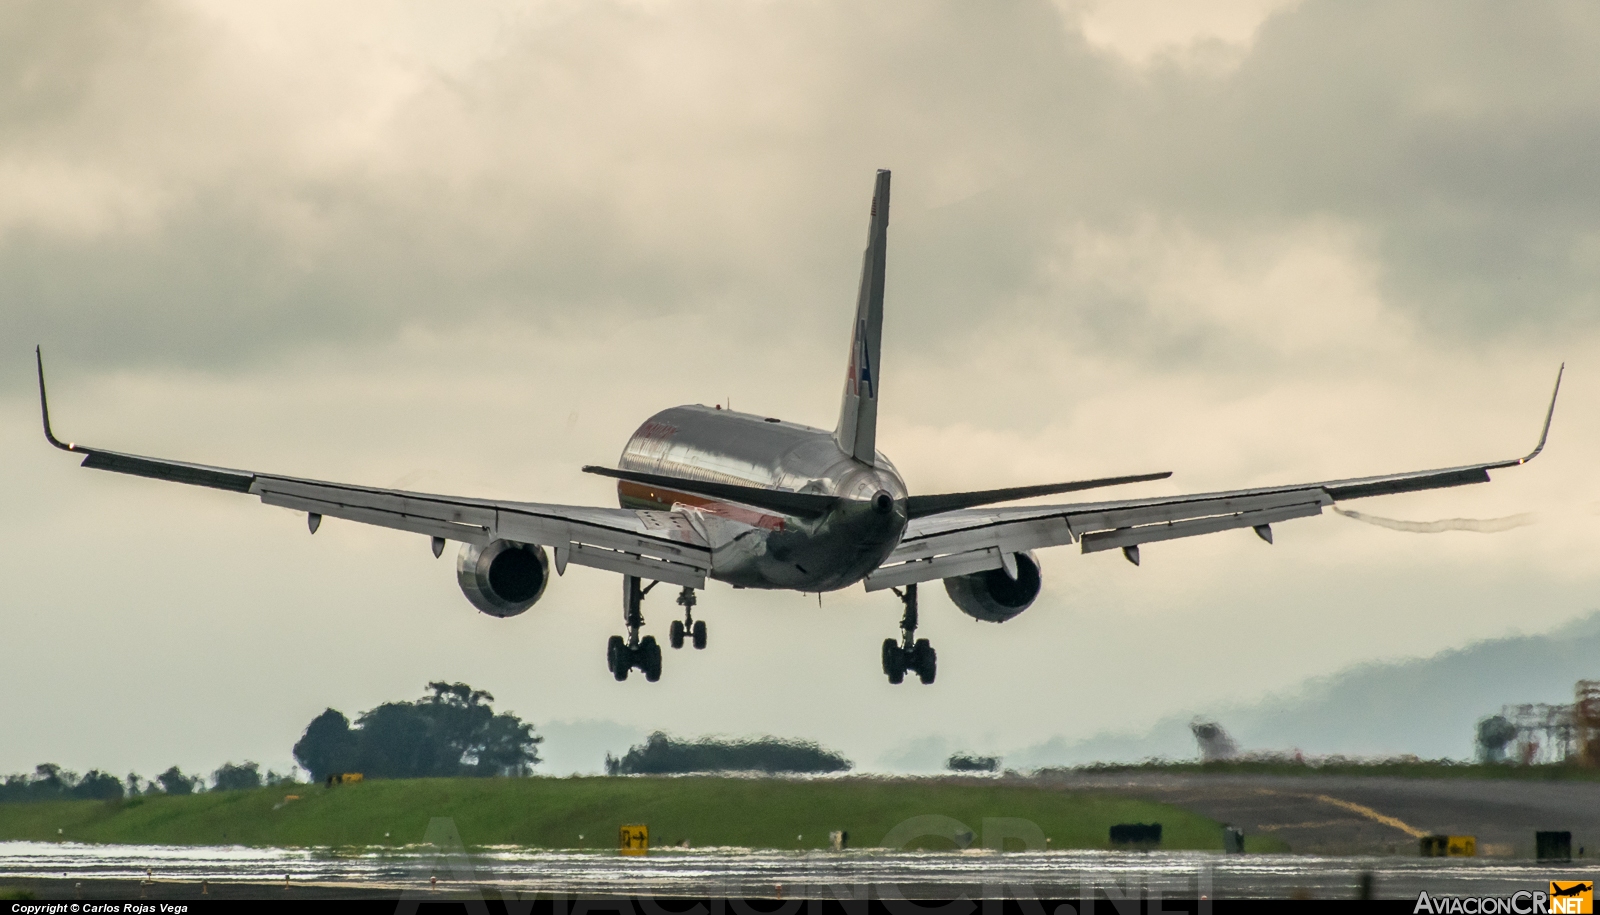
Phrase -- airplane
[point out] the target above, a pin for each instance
(759, 502)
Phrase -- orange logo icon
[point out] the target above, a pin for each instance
(1572, 897)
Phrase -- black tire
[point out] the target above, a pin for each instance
(675, 634)
(650, 658)
(925, 661)
(618, 657)
(699, 634)
(894, 661)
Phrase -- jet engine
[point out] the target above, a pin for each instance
(993, 596)
(502, 578)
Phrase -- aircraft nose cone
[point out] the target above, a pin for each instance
(883, 503)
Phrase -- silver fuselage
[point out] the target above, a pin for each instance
(759, 548)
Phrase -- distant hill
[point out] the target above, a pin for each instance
(1426, 706)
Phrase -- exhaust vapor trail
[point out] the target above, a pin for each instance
(1476, 525)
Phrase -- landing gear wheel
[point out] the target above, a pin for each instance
(688, 626)
(649, 656)
(924, 660)
(909, 652)
(894, 661)
(618, 658)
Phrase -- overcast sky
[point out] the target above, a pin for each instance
(469, 249)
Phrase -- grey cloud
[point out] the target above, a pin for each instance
(1455, 132)
(50, 56)
(713, 157)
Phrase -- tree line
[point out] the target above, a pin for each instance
(451, 731)
(661, 754)
(50, 782)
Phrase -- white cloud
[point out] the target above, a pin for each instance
(1141, 30)
(78, 204)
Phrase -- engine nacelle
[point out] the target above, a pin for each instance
(503, 578)
(993, 596)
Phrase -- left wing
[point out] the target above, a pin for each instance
(654, 545)
(975, 540)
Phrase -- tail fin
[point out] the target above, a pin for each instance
(857, 433)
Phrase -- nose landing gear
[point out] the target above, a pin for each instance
(633, 653)
(687, 626)
(910, 653)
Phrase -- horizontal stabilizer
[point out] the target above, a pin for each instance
(799, 504)
(923, 506)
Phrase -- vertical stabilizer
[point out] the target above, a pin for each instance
(857, 433)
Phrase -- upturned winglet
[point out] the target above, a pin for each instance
(1549, 415)
(44, 407)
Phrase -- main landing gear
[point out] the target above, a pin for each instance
(911, 653)
(634, 653)
(644, 654)
(687, 625)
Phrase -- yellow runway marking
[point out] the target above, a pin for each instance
(1353, 807)
(1373, 815)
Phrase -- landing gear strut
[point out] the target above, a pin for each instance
(623, 655)
(910, 653)
(687, 626)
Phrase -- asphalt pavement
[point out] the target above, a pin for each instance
(1369, 815)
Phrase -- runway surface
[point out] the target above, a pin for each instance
(1367, 815)
(63, 870)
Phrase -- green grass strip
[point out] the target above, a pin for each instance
(554, 812)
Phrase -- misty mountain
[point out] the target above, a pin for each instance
(1426, 706)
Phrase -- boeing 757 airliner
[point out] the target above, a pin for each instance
(757, 502)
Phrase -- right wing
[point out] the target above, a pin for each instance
(654, 545)
(975, 540)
